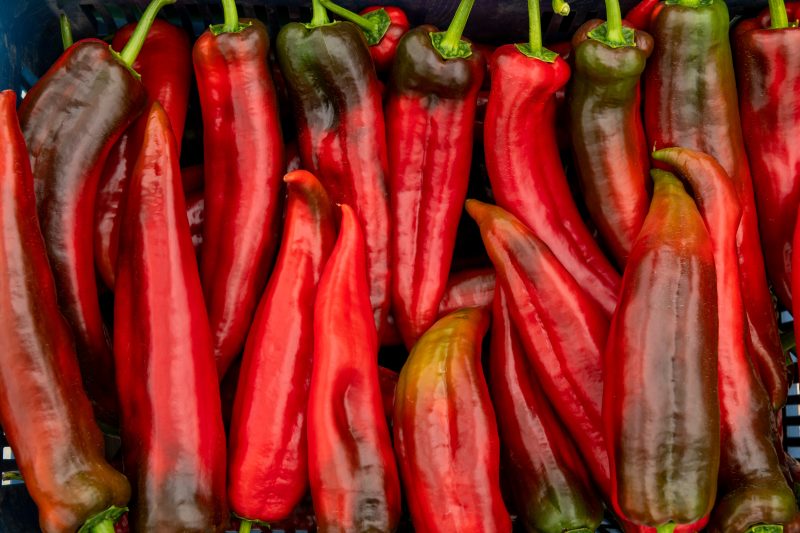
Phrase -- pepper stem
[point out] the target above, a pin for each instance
(319, 16)
(231, 16)
(346, 14)
(560, 7)
(669, 527)
(106, 526)
(452, 37)
(245, 526)
(614, 22)
(777, 14)
(534, 27)
(766, 528)
(66, 31)
(135, 43)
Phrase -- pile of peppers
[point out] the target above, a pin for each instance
(416, 284)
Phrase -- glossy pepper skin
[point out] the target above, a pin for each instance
(551, 486)
(383, 53)
(243, 167)
(430, 115)
(174, 442)
(468, 288)
(341, 132)
(642, 14)
(71, 119)
(445, 431)
(660, 404)
(751, 486)
(526, 173)
(690, 101)
(768, 76)
(44, 411)
(268, 462)
(351, 467)
(165, 65)
(611, 154)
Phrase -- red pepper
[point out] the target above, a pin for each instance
(752, 489)
(768, 76)
(388, 380)
(243, 166)
(165, 65)
(445, 432)
(45, 414)
(691, 101)
(268, 462)
(468, 288)
(192, 179)
(523, 163)
(550, 484)
(172, 433)
(642, 15)
(430, 116)
(354, 482)
(71, 119)
(341, 131)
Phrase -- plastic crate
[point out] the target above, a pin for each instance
(29, 43)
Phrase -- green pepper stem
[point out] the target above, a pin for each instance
(669, 527)
(534, 27)
(353, 17)
(319, 16)
(135, 43)
(66, 31)
(231, 16)
(614, 22)
(453, 34)
(245, 526)
(106, 526)
(777, 14)
(560, 7)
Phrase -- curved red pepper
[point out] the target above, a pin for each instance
(752, 489)
(768, 76)
(691, 101)
(642, 15)
(44, 412)
(172, 433)
(71, 119)
(354, 482)
(243, 166)
(165, 65)
(468, 288)
(430, 115)
(384, 51)
(268, 462)
(551, 486)
(445, 432)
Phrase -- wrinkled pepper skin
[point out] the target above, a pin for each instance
(611, 154)
(44, 411)
(690, 101)
(351, 466)
(174, 441)
(71, 119)
(551, 486)
(268, 462)
(243, 167)
(751, 486)
(445, 431)
(430, 115)
(165, 65)
(341, 132)
(660, 404)
(468, 288)
(525, 169)
(384, 52)
(768, 76)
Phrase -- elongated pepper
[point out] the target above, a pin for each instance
(611, 154)
(660, 403)
(172, 434)
(243, 166)
(341, 132)
(523, 163)
(445, 430)
(551, 486)
(44, 411)
(268, 463)
(71, 119)
(430, 114)
(469, 288)
(752, 488)
(690, 101)
(768, 76)
(351, 467)
(165, 65)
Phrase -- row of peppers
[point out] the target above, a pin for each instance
(94, 165)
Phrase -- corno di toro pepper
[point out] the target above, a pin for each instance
(430, 115)
(44, 411)
(243, 167)
(71, 119)
(445, 431)
(690, 101)
(341, 133)
(768, 76)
